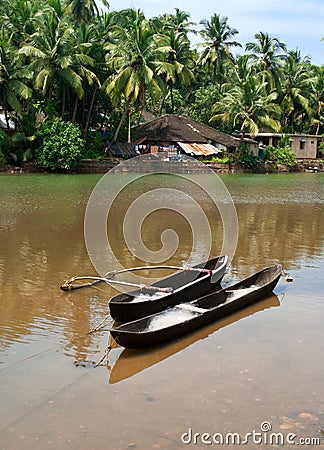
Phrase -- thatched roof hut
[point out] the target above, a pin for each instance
(173, 129)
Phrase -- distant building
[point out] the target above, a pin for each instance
(305, 146)
(189, 135)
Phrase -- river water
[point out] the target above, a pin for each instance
(262, 365)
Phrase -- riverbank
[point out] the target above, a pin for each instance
(93, 166)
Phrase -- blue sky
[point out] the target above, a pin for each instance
(298, 23)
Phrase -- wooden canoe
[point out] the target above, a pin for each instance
(185, 317)
(129, 362)
(186, 285)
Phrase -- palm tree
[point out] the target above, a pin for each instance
(178, 22)
(21, 18)
(269, 53)
(297, 82)
(176, 70)
(51, 51)
(218, 41)
(12, 87)
(248, 106)
(133, 56)
(84, 10)
(86, 66)
(318, 98)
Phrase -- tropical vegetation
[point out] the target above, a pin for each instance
(68, 61)
(58, 144)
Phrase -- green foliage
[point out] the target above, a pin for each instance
(284, 141)
(285, 156)
(321, 149)
(21, 141)
(280, 155)
(28, 155)
(2, 137)
(68, 59)
(248, 159)
(177, 100)
(204, 99)
(269, 153)
(224, 160)
(94, 147)
(59, 145)
(3, 159)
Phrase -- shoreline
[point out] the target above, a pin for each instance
(94, 166)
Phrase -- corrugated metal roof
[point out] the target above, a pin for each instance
(199, 149)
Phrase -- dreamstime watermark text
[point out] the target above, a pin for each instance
(264, 436)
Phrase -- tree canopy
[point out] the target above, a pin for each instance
(68, 59)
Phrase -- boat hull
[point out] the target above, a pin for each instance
(136, 335)
(188, 286)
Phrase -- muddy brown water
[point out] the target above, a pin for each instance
(263, 364)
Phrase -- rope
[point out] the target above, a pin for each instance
(109, 278)
(132, 269)
(105, 357)
(288, 277)
(67, 286)
(99, 326)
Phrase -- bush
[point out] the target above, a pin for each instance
(59, 144)
(244, 157)
(223, 160)
(269, 153)
(248, 160)
(93, 147)
(280, 155)
(285, 156)
(321, 149)
(3, 159)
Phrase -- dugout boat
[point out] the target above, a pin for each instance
(182, 318)
(125, 363)
(186, 285)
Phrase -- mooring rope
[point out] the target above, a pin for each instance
(109, 277)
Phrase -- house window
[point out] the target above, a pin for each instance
(312, 142)
(302, 145)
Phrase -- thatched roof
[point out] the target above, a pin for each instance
(174, 128)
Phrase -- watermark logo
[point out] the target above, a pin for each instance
(266, 426)
(264, 436)
(129, 193)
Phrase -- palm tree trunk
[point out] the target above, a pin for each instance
(317, 128)
(63, 103)
(171, 97)
(319, 110)
(162, 106)
(75, 108)
(122, 119)
(241, 141)
(86, 128)
(112, 112)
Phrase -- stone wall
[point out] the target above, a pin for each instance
(104, 165)
(97, 165)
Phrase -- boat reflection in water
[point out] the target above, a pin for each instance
(124, 363)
